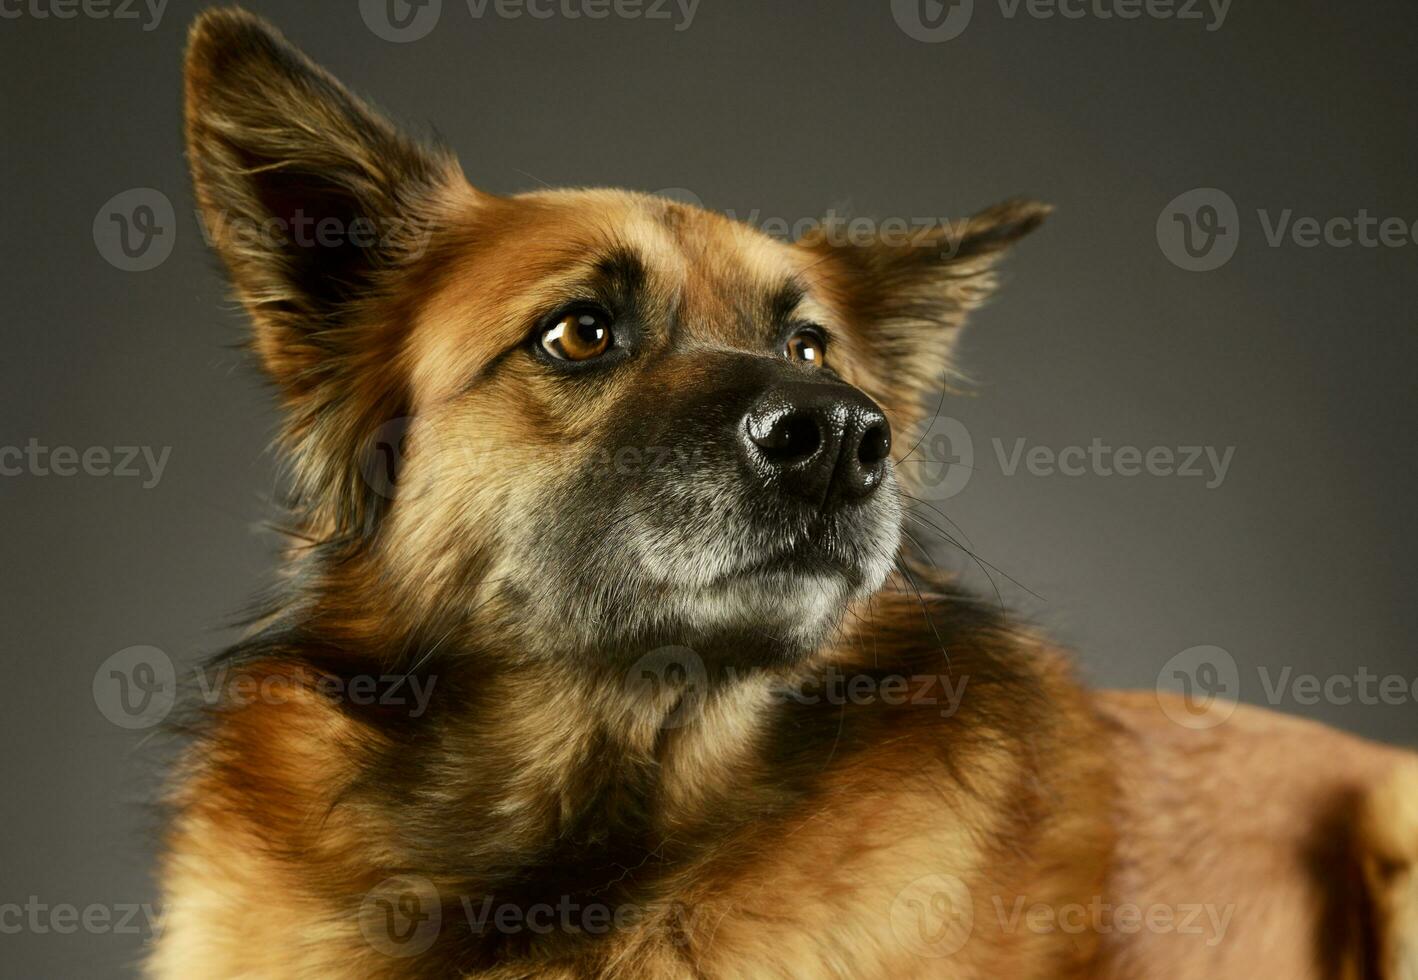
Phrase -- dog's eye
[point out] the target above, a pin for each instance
(578, 336)
(807, 346)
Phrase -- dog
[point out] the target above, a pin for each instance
(600, 649)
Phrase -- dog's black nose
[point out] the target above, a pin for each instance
(823, 442)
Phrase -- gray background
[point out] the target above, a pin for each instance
(1303, 359)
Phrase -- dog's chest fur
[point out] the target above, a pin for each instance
(779, 832)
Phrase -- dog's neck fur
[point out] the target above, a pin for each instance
(533, 781)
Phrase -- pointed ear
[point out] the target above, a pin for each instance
(908, 294)
(315, 204)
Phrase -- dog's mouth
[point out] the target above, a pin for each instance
(852, 550)
(810, 557)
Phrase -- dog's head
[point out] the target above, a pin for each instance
(625, 419)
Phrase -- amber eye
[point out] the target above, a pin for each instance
(578, 336)
(807, 346)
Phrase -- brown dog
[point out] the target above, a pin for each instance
(598, 655)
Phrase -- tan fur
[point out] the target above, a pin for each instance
(1388, 836)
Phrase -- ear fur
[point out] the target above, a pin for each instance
(909, 294)
(314, 202)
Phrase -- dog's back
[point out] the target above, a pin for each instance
(1295, 844)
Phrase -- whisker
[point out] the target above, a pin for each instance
(932, 507)
(983, 563)
(925, 611)
(944, 385)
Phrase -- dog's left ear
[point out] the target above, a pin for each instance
(908, 294)
(321, 210)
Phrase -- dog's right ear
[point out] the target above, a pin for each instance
(315, 203)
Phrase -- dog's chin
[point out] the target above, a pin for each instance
(786, 608)
(790, 602)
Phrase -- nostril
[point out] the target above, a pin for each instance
(793, 436)
(875, 444)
